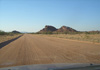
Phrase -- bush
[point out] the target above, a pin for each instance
(2, 32)
(48, 32)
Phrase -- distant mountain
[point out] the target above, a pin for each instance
(15, 31)
(65, 29)
(48, 29)
(94, 32)
(25, 32)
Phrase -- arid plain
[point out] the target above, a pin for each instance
(37, 49)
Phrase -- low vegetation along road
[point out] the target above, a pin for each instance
(37, 49)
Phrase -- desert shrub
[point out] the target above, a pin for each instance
(2, 32)
(48, 32)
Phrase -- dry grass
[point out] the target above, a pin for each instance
(95, 38)
(8, 37)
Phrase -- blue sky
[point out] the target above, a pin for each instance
(33, 15)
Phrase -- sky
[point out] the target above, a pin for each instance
(33, 15)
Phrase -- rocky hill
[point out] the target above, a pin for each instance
(65, 29)
(48, 29)
(15, 31)
(52, 29)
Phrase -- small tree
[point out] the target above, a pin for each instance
(2, 32)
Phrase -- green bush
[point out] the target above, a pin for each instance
(2, 32)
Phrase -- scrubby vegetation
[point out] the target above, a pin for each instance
(50, 32)
(4, 36)
(2, 32)
(7, 33)
(91, 37)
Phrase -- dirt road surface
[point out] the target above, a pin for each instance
(35, 49)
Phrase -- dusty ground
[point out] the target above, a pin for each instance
(36, 49)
